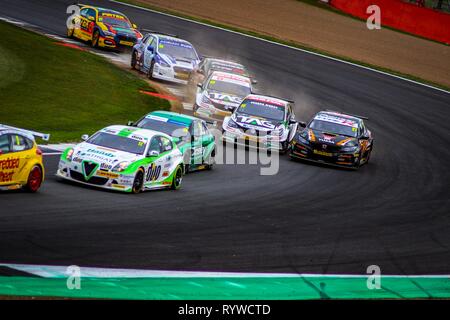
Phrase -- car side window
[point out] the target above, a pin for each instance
(155, 144)
(20, 143)
(83, 13)
(5, 144)
(166, 144)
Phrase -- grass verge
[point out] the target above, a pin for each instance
(64, 91)
(285, 42)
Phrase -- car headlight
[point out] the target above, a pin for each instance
(302, 140)
(349, 149)
(232, 124)
(69, 154)
(205, 99)
(121, 166)
(109, 33)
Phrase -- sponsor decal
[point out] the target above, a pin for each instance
(105, 174)
(255, 122)
(100, 152)
(6, 176)
(153, 172)
(10, 163)
(118, 186)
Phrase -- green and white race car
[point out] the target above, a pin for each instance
(124, 158)
(191, 135)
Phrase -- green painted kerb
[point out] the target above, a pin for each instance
(264, 288)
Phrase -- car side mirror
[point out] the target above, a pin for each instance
(200, 85)
(85, 137)
(130, 123)
(302, 124)
(254, 81)
(150, 48)
(153, 153)
(292, 121)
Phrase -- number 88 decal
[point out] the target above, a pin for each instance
(153, 172)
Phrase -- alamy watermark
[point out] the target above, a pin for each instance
(374, 20)
(74, 278)
(374, 278)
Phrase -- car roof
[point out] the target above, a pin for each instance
(178, 117)
(226, 62)
(25, 133)
(170, 38)
(337, 117)
(230, 77)
(268, 99)
(126, 131)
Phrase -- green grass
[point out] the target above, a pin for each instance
(289, 43)
(64, 91)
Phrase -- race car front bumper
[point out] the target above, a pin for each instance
(113, 43)
(101, 179)
(168, 74)
(343, 159)
(253, 142)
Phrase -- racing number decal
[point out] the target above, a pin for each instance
(153, 172)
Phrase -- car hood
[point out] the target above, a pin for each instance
(330, 139)
(257, 123)
(106, 157)
(225, 98)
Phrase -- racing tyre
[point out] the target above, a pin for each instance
(95, 37)
(150, 70)
(34, 179)
(133, 60)
(211, 160)
(177, 178)
(138, 182)
(70, 33)
(357, 163)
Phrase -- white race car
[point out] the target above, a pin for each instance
(124, 158)
(268, 122)
(165, 57)
(220, 94)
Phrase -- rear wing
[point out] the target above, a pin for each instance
(43, 136)
(348, 114)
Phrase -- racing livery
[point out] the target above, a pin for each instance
(334, 138)
(124, 158)
(103, 28)
(190, 134)
(165, 57)
(267, 121)
(209, 65)
(21, 163)
(220, 94)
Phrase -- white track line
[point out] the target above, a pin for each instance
(283, 45)
(61, 271)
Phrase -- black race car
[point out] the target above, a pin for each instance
(335, 138)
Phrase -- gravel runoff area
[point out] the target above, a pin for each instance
(321, 29)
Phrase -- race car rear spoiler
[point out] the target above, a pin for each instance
(161, 33)
(43, 136)
(349, 114)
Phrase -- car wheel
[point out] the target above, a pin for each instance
(211, 160)
(138, 182)
(70, 32)
(34, 179)
(177, 178)
(95, 37)
(150, 70)
(133, 60)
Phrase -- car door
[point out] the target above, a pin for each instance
(149, 54)
(6, 174)
(197, 143)
(19, 157)
(154, 170)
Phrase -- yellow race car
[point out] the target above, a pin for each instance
(102, 28)
(21, 163)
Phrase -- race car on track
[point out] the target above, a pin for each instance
(165, 57)
(335, 138)
(267, 121)
(124, 158)
(21, 163)
(190, 134)
(103, 28)
(209, 65)
(220, 94)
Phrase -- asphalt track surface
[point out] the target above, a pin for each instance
(308, 218)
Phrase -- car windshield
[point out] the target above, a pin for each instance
(334, 128)
(237, 69)
(116, 142)
(115, 22)
(177, 49)
(262, 109)
(171, 128)
(229, 88)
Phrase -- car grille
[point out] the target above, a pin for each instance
(325, 147)
(98, 181)
(182, 73)
(128, 38)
